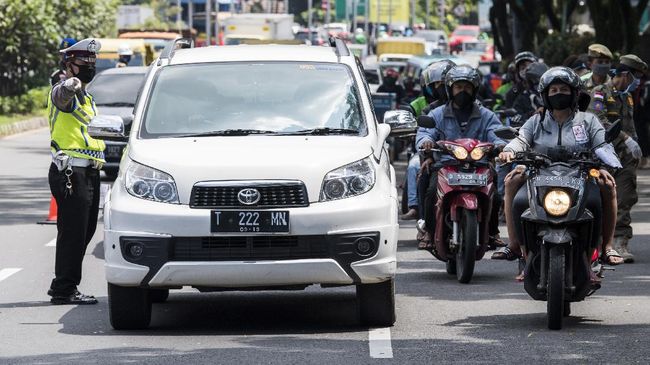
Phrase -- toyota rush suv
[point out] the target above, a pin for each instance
(248, 168)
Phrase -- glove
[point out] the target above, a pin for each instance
(73, 84)
(634, 148)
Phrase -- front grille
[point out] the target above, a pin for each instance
(248, 248)
(280, 195)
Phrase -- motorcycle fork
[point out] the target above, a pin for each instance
(568, 268)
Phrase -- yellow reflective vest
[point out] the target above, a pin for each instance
(69, 131)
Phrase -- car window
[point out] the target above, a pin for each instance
(111, 89)
(280, 97)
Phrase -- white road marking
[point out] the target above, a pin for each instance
(5, 273)
(379, 343)
(51, 243)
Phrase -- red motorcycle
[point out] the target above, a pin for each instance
(466, 188)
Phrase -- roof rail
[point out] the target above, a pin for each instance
(178, 43)
(340, 47)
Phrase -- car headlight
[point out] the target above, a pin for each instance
(349, 180)
(459, 152)
(148, 183)
(557, 202)
(477, 153)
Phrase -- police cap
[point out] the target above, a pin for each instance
(634, 62)
(599, 51)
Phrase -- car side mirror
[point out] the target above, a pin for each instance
(506, 133)
(402, 123)
(426, 121)
(107, 127)
(613, 131)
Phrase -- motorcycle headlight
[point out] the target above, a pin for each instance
(459, 152)
(557, 202)
(148, 183)
(349, 180)
(477, 153)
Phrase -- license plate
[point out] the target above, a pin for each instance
(467, 179)
(574, 183)
(113, 151)
(249, 221)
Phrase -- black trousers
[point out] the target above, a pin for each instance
(429, 184)
(76, 223)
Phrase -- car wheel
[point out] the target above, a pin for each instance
(377, 303)
(129, 308)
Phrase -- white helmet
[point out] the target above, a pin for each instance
(124, 50)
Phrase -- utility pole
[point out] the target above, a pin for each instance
(390, 14)
(378, 19)
(428, 11)
(328, 11)
(190, 15)
(366, 10)
(354, 14)
(208, 22)
(216, 22)
(309, 14)
(412, 13)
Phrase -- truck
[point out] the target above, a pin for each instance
(240, 28)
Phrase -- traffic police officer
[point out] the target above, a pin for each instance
(611, 101)
(59, 74)
(74, 172)
(599, 62)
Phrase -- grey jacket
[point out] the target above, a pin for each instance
(583, 131)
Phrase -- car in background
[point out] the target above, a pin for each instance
(312, 38)
(437, 41)
(157, 40)
(463, 34)
(115, 92)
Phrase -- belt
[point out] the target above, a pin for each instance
(81, 162)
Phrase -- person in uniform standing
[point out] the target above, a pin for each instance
(600, 62)
(74, 172)
(613, 101)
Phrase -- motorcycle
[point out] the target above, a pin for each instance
(560, 247)
(466, 187)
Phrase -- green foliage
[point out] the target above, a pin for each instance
(32, 29)
(557, 47)
(29, 102)
(162, 12)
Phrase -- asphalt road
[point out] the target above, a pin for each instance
(491, 320)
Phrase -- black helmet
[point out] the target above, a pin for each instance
(435, 72)
(561, 74)
(534, 72)
(462, 73)
(524, 56)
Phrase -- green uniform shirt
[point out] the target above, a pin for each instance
(419, 104)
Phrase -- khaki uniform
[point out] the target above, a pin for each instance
(610, 105)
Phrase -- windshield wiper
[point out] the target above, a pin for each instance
(225, 132)
(323, 131)
(115, 104)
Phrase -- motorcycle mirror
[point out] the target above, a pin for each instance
(401, 122)
(613, 131)
(510, 112)
(507, 133)
(426, 121)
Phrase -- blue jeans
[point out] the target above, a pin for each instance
(412, 180)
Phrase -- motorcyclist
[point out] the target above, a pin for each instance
(433, 95)
(528, 101)
(124, 53)
(522, 60)
(460, 117)
(561, 124)
(389, 85)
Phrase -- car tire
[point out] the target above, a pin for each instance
(377, 303)
(158, 295)
(128, 308)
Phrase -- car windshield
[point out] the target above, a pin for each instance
(106, 63)
(116, 89)
(253, 98)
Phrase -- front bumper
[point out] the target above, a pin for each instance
(180, 250)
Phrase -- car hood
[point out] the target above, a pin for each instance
(124, 112)
(304, 158)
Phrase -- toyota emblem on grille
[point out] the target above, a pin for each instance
(249, 196)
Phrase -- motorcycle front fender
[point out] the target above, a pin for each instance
(467, 201)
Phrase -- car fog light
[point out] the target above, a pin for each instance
(335, 189)
(136, 250)
(364, 246)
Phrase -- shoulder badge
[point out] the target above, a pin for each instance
(598, 105)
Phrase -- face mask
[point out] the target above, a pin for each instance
(560, 101)
(601, 69)
(635, 83)
(86, 73)
(464, 100)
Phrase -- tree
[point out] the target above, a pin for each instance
(618, 15)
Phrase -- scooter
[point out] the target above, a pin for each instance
(558, 237)
(466, 187)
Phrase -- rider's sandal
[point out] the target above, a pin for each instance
(496, 242)
(506, 254)
(611, 253)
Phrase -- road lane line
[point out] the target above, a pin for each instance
(5, 273)
(379, 343)
(51, 243)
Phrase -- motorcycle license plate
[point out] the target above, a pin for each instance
(249, 221)
(467, 179)
(574, 183)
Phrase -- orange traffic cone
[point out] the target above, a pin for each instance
(51, 216)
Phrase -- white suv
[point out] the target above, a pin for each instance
(252, 167)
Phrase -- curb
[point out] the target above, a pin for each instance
(23, 126)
